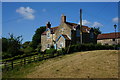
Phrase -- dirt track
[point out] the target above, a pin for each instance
(90, 64)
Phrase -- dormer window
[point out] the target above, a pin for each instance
(48, 35)
(62, 30)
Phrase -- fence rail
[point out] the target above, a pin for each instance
(8, 65)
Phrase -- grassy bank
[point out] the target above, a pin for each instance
(92, 64)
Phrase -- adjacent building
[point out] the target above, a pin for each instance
(109, 38)
(65, 34)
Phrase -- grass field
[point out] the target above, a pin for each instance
(89, 64)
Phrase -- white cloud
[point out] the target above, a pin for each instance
(97, 24)
(115, 19)
(88, 23)
(26, 12)
(85, 22)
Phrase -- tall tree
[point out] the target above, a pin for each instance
(37, 37)
(97, 30)
(4, 44)
(26, 44)
(11, 46)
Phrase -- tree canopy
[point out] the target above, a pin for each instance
(36, 39)
(97, 30)
(11, 46)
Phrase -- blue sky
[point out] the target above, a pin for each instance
(23, 18)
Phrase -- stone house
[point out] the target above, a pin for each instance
(65, 34)
(109, 38)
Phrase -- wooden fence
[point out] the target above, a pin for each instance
(8, 65)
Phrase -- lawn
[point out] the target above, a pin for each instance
(88, 64)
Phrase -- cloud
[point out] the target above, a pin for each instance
(88, 23)
(85, 22)
(97, 24)
(115, 19)
(26, 12)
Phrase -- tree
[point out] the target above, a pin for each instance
(38, 47)
(37, 36)
(11, 46)
(26, 44)
(97, 31)
(4, 44)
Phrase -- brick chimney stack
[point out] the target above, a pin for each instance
(48, 25)
(63, 19)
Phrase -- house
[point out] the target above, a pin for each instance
(65, 34)
(109, 38)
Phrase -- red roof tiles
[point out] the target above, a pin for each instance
(71, 25)
(53, 29)
(108, 36)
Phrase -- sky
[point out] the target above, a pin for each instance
(23, 18)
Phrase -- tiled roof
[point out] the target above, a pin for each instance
(108, 36)
(71, 25)
(74, 26)
(66, 37)
(53, 29)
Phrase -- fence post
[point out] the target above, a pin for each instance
(34, 58)
(43, 56)
(39, 57)
(12, 64)
(21, 62)
(5, 64)
(24, 61)
(29, 59)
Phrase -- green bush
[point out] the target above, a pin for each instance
(51, 52)
(87, 47)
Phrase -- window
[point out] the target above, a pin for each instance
(113, 39)
(61, 45)
(48, 45)
(91, 35)
(78, 33)
(62, 30)
(48, 35)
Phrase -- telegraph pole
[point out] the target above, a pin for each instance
(81, 26)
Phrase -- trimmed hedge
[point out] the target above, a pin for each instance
(88, 47)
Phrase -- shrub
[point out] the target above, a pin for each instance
(50, 52)
(88, 47)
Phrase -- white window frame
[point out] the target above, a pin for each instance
(48, 35)
(61, 45)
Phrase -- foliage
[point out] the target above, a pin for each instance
(11, 46)
(37, 37)
(28, 50)
(50, 51)
(38, 48)
(88, 47)
(97, 30)
(4, 44)
(26, 44)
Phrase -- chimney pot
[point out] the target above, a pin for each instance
(48, 25)
(63, 19)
